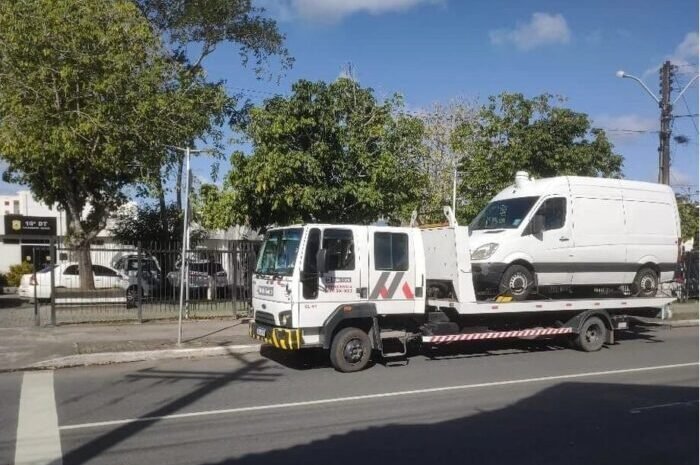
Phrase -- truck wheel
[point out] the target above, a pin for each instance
(350, 350)
(591, 337)
(517, 281)
(645, 283)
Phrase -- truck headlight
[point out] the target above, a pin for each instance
(286, 319)
(485, 251)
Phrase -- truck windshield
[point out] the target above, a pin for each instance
(503, 214)
(279, 252)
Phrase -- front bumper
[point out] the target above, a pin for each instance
(487, 276)
(282, 338)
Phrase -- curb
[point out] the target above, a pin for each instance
(683, 323)
(106, 358)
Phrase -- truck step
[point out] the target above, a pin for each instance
(393, 354)
(390, 334)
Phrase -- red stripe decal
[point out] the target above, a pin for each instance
(407, 291)
(384, 292)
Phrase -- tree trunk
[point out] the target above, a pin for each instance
(87, 278)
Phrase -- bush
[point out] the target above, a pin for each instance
(16, 271)
(3, 280)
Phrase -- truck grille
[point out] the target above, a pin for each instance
(264, 318)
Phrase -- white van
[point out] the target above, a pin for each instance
(572, 232)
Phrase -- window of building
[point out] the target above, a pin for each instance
(390, 251)
(15, 207)
(340, 249)
(554, 212)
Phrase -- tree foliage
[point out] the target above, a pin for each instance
(688, 212)
(142, 223)
(513, 133)
(328, 153)
(87, 105)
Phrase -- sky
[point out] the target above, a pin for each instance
(437, 50)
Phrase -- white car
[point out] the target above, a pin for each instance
(67, 276)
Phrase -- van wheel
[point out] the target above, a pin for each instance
(592, 335)
(350, 350)
(645, 283)
(517, 281)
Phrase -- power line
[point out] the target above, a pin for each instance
(692, 117)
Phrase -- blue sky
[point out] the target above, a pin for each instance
(435, 50)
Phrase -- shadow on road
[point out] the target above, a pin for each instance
(211, 382)
(572, 423)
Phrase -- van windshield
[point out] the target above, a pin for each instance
(503, 214)
(279, 252)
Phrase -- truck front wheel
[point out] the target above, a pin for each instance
(350, 350)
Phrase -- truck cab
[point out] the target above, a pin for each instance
(309, 274)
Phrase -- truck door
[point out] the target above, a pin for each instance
(392, 270)
(321, 293)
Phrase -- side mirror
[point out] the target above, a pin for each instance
(321, 265)
(537, 225)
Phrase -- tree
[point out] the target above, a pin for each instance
(688, 212)
(134, 224)
(87, 105)
(440, 160)
(193, 30)
(513, 133)
(328, 153)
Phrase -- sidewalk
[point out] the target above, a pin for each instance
(23, 347)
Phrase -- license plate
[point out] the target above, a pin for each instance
(261, 331)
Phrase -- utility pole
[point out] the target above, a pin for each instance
(665, 132)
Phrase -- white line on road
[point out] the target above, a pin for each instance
(687, 403)
(38, 439)
(371, 396)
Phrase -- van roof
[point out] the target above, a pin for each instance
(560, 185)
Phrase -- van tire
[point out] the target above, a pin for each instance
(592, 335)
(350, 350)
(517, 281)
(646, 283)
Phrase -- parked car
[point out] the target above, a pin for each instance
(150, 282)
(67, 276)
(200, 274)
(575, 232)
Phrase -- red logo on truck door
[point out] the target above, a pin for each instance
(381, 290)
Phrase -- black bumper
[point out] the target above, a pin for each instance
(487, 276)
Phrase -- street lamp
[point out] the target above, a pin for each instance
(184, 268)
(621, 74)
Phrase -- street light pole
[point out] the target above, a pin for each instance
(184, 265)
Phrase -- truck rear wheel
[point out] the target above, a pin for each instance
(517, 281)
(350, 350)
(592, 335)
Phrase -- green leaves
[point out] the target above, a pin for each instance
(328, 153)
(513, 133)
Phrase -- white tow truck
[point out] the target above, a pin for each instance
(350, 289)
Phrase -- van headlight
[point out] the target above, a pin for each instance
(286, 319)
(485, 251)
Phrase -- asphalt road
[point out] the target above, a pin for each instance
(635, 402)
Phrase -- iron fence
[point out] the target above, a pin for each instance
(143, 282)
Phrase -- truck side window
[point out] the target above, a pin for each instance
(312, 246)
(554, 212)
(340, 249)
(390, 251)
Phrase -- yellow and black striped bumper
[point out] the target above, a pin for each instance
(282, 338)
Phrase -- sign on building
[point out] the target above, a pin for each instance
(18, 225)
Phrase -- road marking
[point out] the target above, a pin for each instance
(307, 403)
(688, 403)
(38, 439)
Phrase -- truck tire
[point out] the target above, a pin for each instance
(517, 281)
(350, 350)
(646, 283)
(592, 335)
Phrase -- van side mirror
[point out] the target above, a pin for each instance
(321, 264)
(537, 225)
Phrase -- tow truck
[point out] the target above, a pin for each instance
(356, 290)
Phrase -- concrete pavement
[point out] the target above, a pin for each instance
(635, 402)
